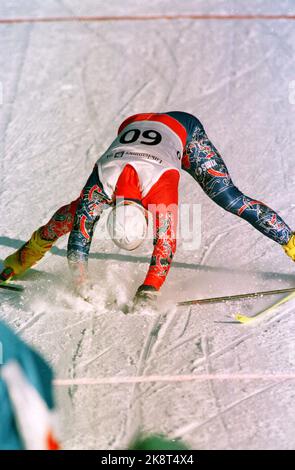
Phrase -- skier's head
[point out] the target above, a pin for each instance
(127, 224)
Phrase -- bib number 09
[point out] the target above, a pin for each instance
(148, 137)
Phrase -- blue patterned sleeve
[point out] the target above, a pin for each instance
(91, 204)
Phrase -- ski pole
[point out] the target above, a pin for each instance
(225, 298)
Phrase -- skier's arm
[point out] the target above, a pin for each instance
(165, 223)
(90, 206)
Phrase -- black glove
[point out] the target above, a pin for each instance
(145, 296)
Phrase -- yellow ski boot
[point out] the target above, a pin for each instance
(26, 256)
(290, 247)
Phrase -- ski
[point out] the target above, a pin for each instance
(227, 298)
(13, 287)
(247, 319)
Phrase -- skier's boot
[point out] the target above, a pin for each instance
(26, 256)
(290, 247)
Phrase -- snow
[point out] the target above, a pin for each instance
(66, 88)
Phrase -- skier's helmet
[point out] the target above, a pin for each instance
(127, 224)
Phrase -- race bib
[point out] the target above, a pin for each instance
(147, 140)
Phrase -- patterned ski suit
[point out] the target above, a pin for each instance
(143, 164)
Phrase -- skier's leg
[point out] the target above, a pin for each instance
(207, 167)
(61, 223)
(260, 216)
(40, 242)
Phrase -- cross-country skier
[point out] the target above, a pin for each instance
(141, 168)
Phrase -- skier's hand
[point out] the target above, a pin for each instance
(145, 297)
(85, 290)
(82, 285)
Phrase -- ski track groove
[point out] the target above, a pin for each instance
(149, 356)
(208, 250)
(89, 106)
(73, 388)
(211, 386)
(219, 352)
(93, 359)
(205, 361)
(245, 71)
(221, 234)
(134, 95)
(196, 426)
(59, 145)
(66, 328)
(153, 388)
(31, 322)
(175, 65)
(24, 49)
(188, 318)
(133, 413)
(134, 402)
(177, 345)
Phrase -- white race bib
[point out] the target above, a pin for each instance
(150, 147)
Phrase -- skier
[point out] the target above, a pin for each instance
(141, 170)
